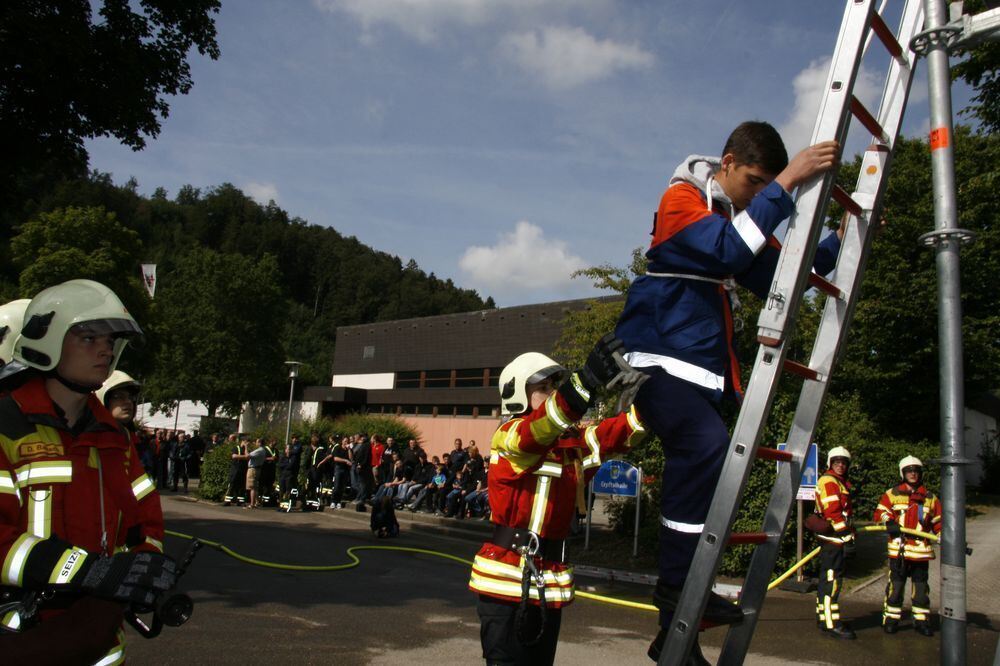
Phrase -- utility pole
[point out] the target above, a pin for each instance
(946, 239)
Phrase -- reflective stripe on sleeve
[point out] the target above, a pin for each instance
(68, 566)
(142, 486)
(17, 556)
(40, 512)
(594, 459)
(749, 232)
(555, 413)
(550, 469)
(155, 543)
(8, 486)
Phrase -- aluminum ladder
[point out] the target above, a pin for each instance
(792, 278)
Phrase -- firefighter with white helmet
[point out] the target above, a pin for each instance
(80, 523)
(538, 459)
(833, 504)
(11, 318)
(912, 506)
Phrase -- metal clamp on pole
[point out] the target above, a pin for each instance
(939, 236)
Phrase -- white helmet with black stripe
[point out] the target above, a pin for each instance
(527, 369)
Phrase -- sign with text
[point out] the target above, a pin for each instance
(810, 472)
(617, 477)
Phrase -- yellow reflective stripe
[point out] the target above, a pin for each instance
(8, 485)
(633, 420)
(539, 504)
(594, 459)
(512, 589)
(40, 512)
(142, 486)
(45, 471)
(579, 387)
(67, 566)
(516, 572)
(829, 499)
(11, 620)
(115, 655)
(550, 469)
(13, 564)
(555, 413)
(155, 543)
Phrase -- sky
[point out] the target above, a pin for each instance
(503, 144)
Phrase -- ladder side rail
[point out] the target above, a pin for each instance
(804, 228)
(725, 504)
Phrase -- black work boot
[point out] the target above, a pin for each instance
(841, 630)
(718, 610)
(923, 628)
(890, 626)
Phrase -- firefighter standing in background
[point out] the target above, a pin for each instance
(912, 506)
(315, 457)
(833, 503)
(80, 522)
(519, 574)
(237, 472)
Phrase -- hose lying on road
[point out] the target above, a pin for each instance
(355, 561)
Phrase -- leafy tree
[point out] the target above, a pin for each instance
(981, 70)
(218, 323)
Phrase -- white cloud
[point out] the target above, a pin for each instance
(262, 193)
(523, 260)
(563, 58)
(421, 19)
(809, 86)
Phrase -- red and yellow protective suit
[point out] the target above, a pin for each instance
(50, 496)
(913, 508)
(533, 480)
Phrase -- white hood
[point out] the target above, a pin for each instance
(700, 170)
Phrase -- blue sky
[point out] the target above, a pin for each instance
(499, 143)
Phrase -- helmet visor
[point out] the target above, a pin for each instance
(116, 328)
(555, 373)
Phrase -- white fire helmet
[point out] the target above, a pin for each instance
(54, 311)
(528, 368)
(837, 452)
(11, 319)
(118, 380)
(910, 461)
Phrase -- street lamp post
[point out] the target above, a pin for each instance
(293, 372)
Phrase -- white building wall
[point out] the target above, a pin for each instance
(378, 380)
(979, 428)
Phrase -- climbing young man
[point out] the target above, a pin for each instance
(710, 234)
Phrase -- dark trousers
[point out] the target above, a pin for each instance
(920, 598)
(180, 472)
(499, 636)
(830, 579)
(366, 484)
(694, 440)
(237, 484)
(340, 476)
(265, 482)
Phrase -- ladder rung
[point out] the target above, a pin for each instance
(804, 371)
(845, 200)
(773, 454)
(885, 36)
(815, 280)
(868, 120)
(824, 285)
(740, 538)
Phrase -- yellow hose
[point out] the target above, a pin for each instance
(355, 561)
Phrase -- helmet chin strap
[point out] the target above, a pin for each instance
(73, 386)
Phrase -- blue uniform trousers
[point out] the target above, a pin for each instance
(694, 440)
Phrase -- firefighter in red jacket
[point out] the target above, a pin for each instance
(537, 461)
(833, 503)
(912, 506)
(80, 522)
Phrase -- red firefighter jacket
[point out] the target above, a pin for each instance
(50, 513)
(535, 470)
(916, 509)
(833, 502)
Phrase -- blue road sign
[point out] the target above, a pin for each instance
(810, 472)
(617, 477)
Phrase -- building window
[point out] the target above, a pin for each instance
(495, 376)
(408, 379)
(470, 378)
(437, 379)
(368, 352)
(464, 410)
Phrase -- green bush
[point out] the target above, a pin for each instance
(382, 424)
(215, 473)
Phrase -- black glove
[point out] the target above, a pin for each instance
(130, 577)
(600, 367)
(892, 527)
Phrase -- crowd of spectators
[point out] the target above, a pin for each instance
(171, 457)
(355, 471)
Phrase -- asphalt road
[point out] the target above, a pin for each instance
(403, 608)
